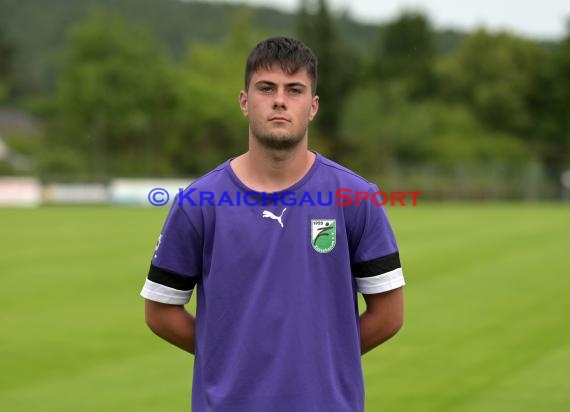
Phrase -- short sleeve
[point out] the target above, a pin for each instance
(176, 263)
(375, 256)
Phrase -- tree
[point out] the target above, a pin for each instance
(406, 54)
(337, 66)
(391, 130)
(115, 98)
(551, 134)
(6, 66)
(496, 76)
(212, 126)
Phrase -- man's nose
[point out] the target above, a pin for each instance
(279, 101)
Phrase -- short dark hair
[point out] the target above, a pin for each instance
(290, 54)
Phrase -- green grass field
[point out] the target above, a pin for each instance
(487, 314)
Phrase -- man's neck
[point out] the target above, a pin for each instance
(267, 170)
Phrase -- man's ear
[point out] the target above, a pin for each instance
(314, 108)
(243, 102)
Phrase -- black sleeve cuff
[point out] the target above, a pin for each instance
(171, 279)
(377, 266)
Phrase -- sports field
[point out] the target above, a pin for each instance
(487, 316)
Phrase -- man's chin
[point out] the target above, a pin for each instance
(278, 142)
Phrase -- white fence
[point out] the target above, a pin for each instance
(30, 192)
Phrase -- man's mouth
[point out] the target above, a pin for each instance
(278, 119)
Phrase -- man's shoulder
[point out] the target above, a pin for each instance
(343, 174)
(212, 179)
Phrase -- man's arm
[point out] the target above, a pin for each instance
(172, 323)
(382, 319)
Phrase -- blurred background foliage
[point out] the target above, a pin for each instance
(150, 88)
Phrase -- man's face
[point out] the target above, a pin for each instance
(279, 107)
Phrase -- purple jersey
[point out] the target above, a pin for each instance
(277, 323)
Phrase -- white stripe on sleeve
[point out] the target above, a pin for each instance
(381, 283)
(164, 294)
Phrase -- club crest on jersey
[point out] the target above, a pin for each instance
(323, 234)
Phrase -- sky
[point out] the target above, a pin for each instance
(543, 19)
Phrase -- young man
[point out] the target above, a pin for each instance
(277, 247)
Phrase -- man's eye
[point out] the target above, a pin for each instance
(295, 91)
(266, 89)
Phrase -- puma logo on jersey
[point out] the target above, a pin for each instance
(270, 215)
